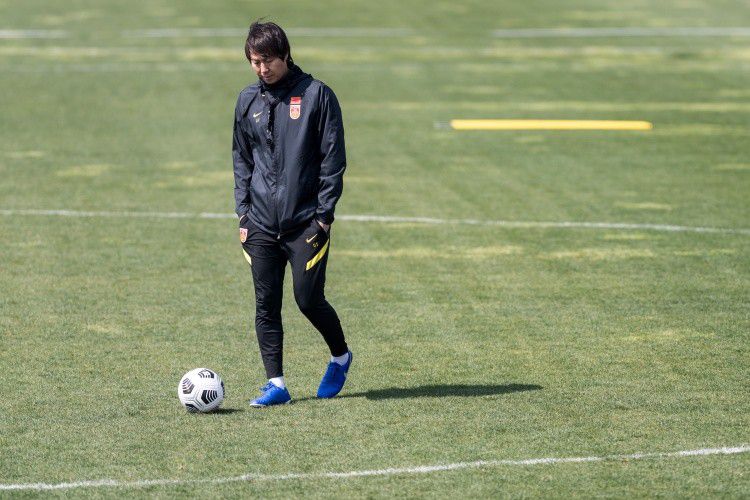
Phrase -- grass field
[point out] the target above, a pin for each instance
(472, 342)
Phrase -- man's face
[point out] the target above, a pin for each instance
(270, 69)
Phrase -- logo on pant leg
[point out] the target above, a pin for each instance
(318, 256)
(243, 235)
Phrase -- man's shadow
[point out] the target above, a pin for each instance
(441, 391)
(425, 391)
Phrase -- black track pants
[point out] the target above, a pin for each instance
(307, 251)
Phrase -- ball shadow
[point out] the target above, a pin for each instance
(227, 411)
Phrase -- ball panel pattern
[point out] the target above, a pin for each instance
(187, 386)
(209, 396)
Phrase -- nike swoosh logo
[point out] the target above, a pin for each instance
(308, 240)
(256, 115)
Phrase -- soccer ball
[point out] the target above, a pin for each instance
(200, 390)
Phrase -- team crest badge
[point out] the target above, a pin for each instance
(295, 107)
(243, 235)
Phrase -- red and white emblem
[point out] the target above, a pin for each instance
(295, 107)
(243, 235)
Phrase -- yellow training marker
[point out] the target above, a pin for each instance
(549, 125)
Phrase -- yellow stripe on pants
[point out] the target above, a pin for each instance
(318, 256)
(247, 257)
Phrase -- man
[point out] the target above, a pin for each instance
(289, 160)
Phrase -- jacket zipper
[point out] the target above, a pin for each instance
(272, 146)
(276, 192)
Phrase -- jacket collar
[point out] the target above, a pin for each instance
(285, 85)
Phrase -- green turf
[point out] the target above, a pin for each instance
(471, 342)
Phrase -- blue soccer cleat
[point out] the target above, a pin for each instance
(272, 395)
(333, 380)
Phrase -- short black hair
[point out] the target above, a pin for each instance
(267, 40)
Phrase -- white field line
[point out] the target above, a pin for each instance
(395, 219)
(125, 68)
(20, 34)
(242, 32)
(423, 469)
(403, 32)
(621, 32)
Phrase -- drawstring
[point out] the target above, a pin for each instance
(269, 128)
(273, 101)
(286, 86)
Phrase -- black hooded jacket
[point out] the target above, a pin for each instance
(288, 152)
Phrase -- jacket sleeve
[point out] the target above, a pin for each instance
(333, 154)
(242, 157)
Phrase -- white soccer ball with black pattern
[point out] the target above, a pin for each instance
(201, 390)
